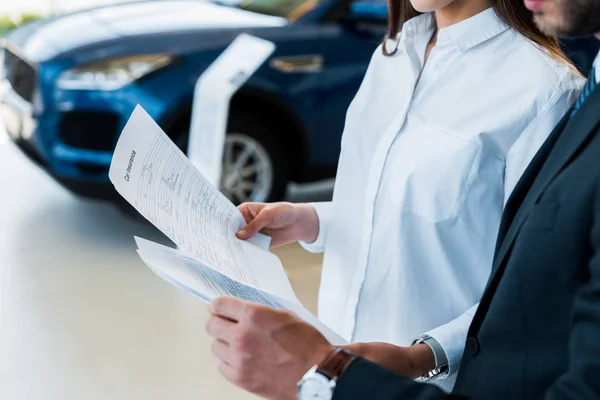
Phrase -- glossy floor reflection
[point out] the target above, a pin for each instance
(82, 318)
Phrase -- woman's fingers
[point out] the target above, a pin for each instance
(263, 220)
(250, 210)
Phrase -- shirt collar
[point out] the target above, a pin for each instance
(419, 25)
(465, 34)
(473, 31)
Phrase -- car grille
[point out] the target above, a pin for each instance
(20, 74)
(89, 130)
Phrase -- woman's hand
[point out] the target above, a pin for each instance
(411, 361)
(283, 222)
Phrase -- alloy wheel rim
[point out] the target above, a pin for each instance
(247, 174)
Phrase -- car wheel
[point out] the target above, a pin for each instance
(254, 168)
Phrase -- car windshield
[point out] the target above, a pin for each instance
(289, 9)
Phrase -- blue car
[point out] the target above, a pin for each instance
(69, 84)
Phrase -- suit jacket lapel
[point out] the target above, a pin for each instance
(524, 184)
(554, 156)
(562, 145)
(578, 131)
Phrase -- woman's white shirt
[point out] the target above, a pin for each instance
(424, 172)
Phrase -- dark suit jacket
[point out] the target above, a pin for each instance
(536, 334)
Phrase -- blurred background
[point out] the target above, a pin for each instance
(80, 316)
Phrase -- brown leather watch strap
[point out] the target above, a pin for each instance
(335, 364)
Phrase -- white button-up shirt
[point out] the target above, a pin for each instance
(424, 172)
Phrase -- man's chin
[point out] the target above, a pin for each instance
(547, 25)
(555, 28)
(566, 20)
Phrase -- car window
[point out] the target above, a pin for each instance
(290, 9)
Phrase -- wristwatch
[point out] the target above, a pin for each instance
(319, 382)
(440, 368)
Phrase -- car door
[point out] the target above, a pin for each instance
(347, 43)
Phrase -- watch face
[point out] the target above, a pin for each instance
(315, 388)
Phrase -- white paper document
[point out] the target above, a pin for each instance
(212, 95)
(156, 178)
(190, 275)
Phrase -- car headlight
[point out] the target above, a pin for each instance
(111, 74)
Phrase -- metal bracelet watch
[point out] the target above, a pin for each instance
(440, 369)
(320, 381)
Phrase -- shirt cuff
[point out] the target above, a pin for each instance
(323, 211)
(452, 337)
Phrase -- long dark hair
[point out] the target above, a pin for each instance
(512, 12)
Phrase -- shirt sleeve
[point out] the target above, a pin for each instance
(323, 210)
(452, 337)
(529, 142)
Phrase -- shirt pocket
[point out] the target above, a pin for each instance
(432, 171)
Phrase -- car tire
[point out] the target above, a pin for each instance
(247, 133)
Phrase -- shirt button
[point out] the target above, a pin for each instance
(472, 346)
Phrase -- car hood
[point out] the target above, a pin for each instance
(46, 39)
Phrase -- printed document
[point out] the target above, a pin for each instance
(156, 178)
(190, 275)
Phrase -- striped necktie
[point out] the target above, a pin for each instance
(587, 90)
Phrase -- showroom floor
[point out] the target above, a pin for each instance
(82, 318)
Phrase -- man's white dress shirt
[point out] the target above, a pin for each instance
(424, 172)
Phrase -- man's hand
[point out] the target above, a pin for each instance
(263, 350)
(284, 222)
(411, 362)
